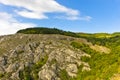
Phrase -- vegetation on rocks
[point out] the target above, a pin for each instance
(53, 54)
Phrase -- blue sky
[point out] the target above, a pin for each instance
(89, 16)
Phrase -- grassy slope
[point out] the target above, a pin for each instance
(106, 65)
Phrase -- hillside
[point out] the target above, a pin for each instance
(53, 54)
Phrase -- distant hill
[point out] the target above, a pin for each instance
(42, 30)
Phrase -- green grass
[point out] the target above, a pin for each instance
(64, 75)
(103, 66)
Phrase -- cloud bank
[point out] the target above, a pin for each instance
(37, 9)
(9, 25)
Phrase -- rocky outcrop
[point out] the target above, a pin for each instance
(41, 57)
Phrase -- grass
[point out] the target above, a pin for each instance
(103, 66)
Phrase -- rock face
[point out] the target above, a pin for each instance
(39, 57)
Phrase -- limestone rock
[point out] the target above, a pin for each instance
(41, 57)
(72, 70)
(2, 71)
(3, 60)
(12, 67)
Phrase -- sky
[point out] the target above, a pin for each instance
(89, 16)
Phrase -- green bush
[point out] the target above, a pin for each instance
(1, 75)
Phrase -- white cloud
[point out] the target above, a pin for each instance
(37, 9)
(86, 18)
(9, 25)
(31, 15)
